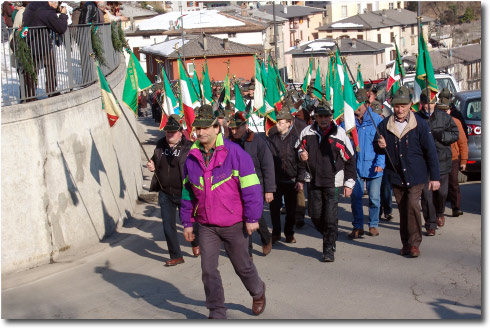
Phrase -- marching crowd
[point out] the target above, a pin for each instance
(220, 181)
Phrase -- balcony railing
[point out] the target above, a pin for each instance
(62, 64)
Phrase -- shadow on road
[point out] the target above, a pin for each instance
(158, 293)
(441, 307)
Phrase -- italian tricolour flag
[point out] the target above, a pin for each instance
(170, 103)
(109, 102)
(189, 98)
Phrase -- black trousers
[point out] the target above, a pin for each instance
(324, 213)
(290, 194)
(434, 202)
(454, 192)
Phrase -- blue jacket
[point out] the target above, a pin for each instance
(413, 152)
(366, 158)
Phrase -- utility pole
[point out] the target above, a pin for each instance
(275, 30)
(182, 33)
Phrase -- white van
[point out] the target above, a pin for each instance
(443, 81)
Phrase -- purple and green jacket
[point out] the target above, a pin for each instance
(225, 192)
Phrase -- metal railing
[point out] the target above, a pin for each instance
(62, 62)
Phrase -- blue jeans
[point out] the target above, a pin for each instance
(373, 188)
(386, 195)
(168, 207)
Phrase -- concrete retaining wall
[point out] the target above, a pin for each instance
(68, 179)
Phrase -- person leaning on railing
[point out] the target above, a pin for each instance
(43, 14)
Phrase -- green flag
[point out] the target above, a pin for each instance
(338, 88)
(136, 81)
(239, 103)
(424, 73)
(317, 87)
(197, 85)
(360, 81)
(206, 84)
(272, 96)
(307, 80)
(226, 86)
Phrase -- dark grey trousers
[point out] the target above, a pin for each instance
(434, 202)
(235, 240)
(168, 209)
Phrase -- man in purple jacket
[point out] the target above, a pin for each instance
(222, 193)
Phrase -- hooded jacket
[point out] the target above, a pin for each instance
(225, 192)
(413, 152)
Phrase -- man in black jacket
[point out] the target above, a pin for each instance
(332, 165)
(289, 173)
(260, 152)
(445, 132)
(168, 162)
(43, 14)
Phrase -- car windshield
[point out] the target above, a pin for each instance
(473, 110)
(441, 84)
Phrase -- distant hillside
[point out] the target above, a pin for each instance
(448, 12)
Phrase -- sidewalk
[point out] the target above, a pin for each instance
(124, 277)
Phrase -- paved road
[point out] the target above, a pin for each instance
(124, 277)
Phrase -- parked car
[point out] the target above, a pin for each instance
(469, 104)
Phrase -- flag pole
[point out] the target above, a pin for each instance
(132, 129)
(371, 117)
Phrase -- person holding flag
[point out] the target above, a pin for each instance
(328, 152)
(168, 163)
(369, 167)
(289, 174)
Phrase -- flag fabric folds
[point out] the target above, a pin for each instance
(136, 81)
(327, 79)
(337, 86)
(396, 74)
(189, 98)
(197, 85)
(109, 102)
(424, 73)
(207, 97)
(350, 105)
(317, 88)
(170, 103)
(307, 80)
(259, 101)
(360, 81)
(239, 103)
(226, 87)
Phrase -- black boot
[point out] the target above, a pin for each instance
(328, 250)
(328, 255)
